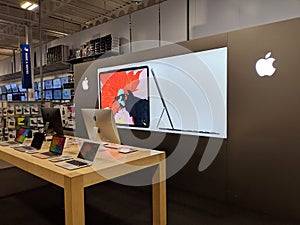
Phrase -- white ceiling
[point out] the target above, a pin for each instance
(58, 18)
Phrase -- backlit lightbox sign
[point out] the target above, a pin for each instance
(184, 94)
(26, 66)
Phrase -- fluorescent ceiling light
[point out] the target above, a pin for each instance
(25, 5)
(29, 5)
(32, 7)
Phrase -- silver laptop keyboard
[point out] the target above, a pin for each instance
(77, 163)
(28, 147)
(12, 142)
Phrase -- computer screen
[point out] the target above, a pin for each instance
(21, 89)
(36, 95)
(36, 86)
(8, 88)
(9, 97)
(126, 92)
(48, 84)
(57, 144)
(21, 134)
(23, 98)
(40, 87)
(40, 95)
(88, 151)
(17, 96)
(48, 95)
(64, 80)
(100, 125)
(66, 94)
(52, 120)
(57, 83)
(14, 88)
(57, 94)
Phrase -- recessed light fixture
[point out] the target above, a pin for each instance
(29, 5)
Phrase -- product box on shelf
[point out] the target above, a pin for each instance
(5, 130)
(70, 124)
(4, 104)
(33, 131)
(21, 121)
(33, 122)
(18, 109)
(11, 123)
(12, 134)
(34, 109)
(10, 111)
(40, 122)
(26, 110)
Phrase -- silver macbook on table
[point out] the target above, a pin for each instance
(19, 139)
(36, 143)
(85, 157)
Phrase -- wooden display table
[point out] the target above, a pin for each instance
(107, 165)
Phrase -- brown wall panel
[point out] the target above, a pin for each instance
(263, 119)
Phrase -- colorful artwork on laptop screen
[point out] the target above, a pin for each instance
(126, 92)
(20, 137)
(88, 151)
(57, 144)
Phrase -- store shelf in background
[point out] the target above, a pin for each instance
(92, 57)
(61, 67)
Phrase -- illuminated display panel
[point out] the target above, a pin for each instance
(126, 92)
(187, 93)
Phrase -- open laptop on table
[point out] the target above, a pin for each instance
(56, 147)
(19, 139)
(36, 143)
(85, 157)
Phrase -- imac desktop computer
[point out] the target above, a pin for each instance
(52, 121)
(100, 125)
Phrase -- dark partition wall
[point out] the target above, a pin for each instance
(263, 113)
(257, 166)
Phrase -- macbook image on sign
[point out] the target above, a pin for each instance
(85, 157)
(19, 139)
(56, 147)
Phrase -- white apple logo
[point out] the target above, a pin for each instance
(85, 84)
(264, 67)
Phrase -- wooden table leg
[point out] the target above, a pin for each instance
(159, 195)
(74, 201)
